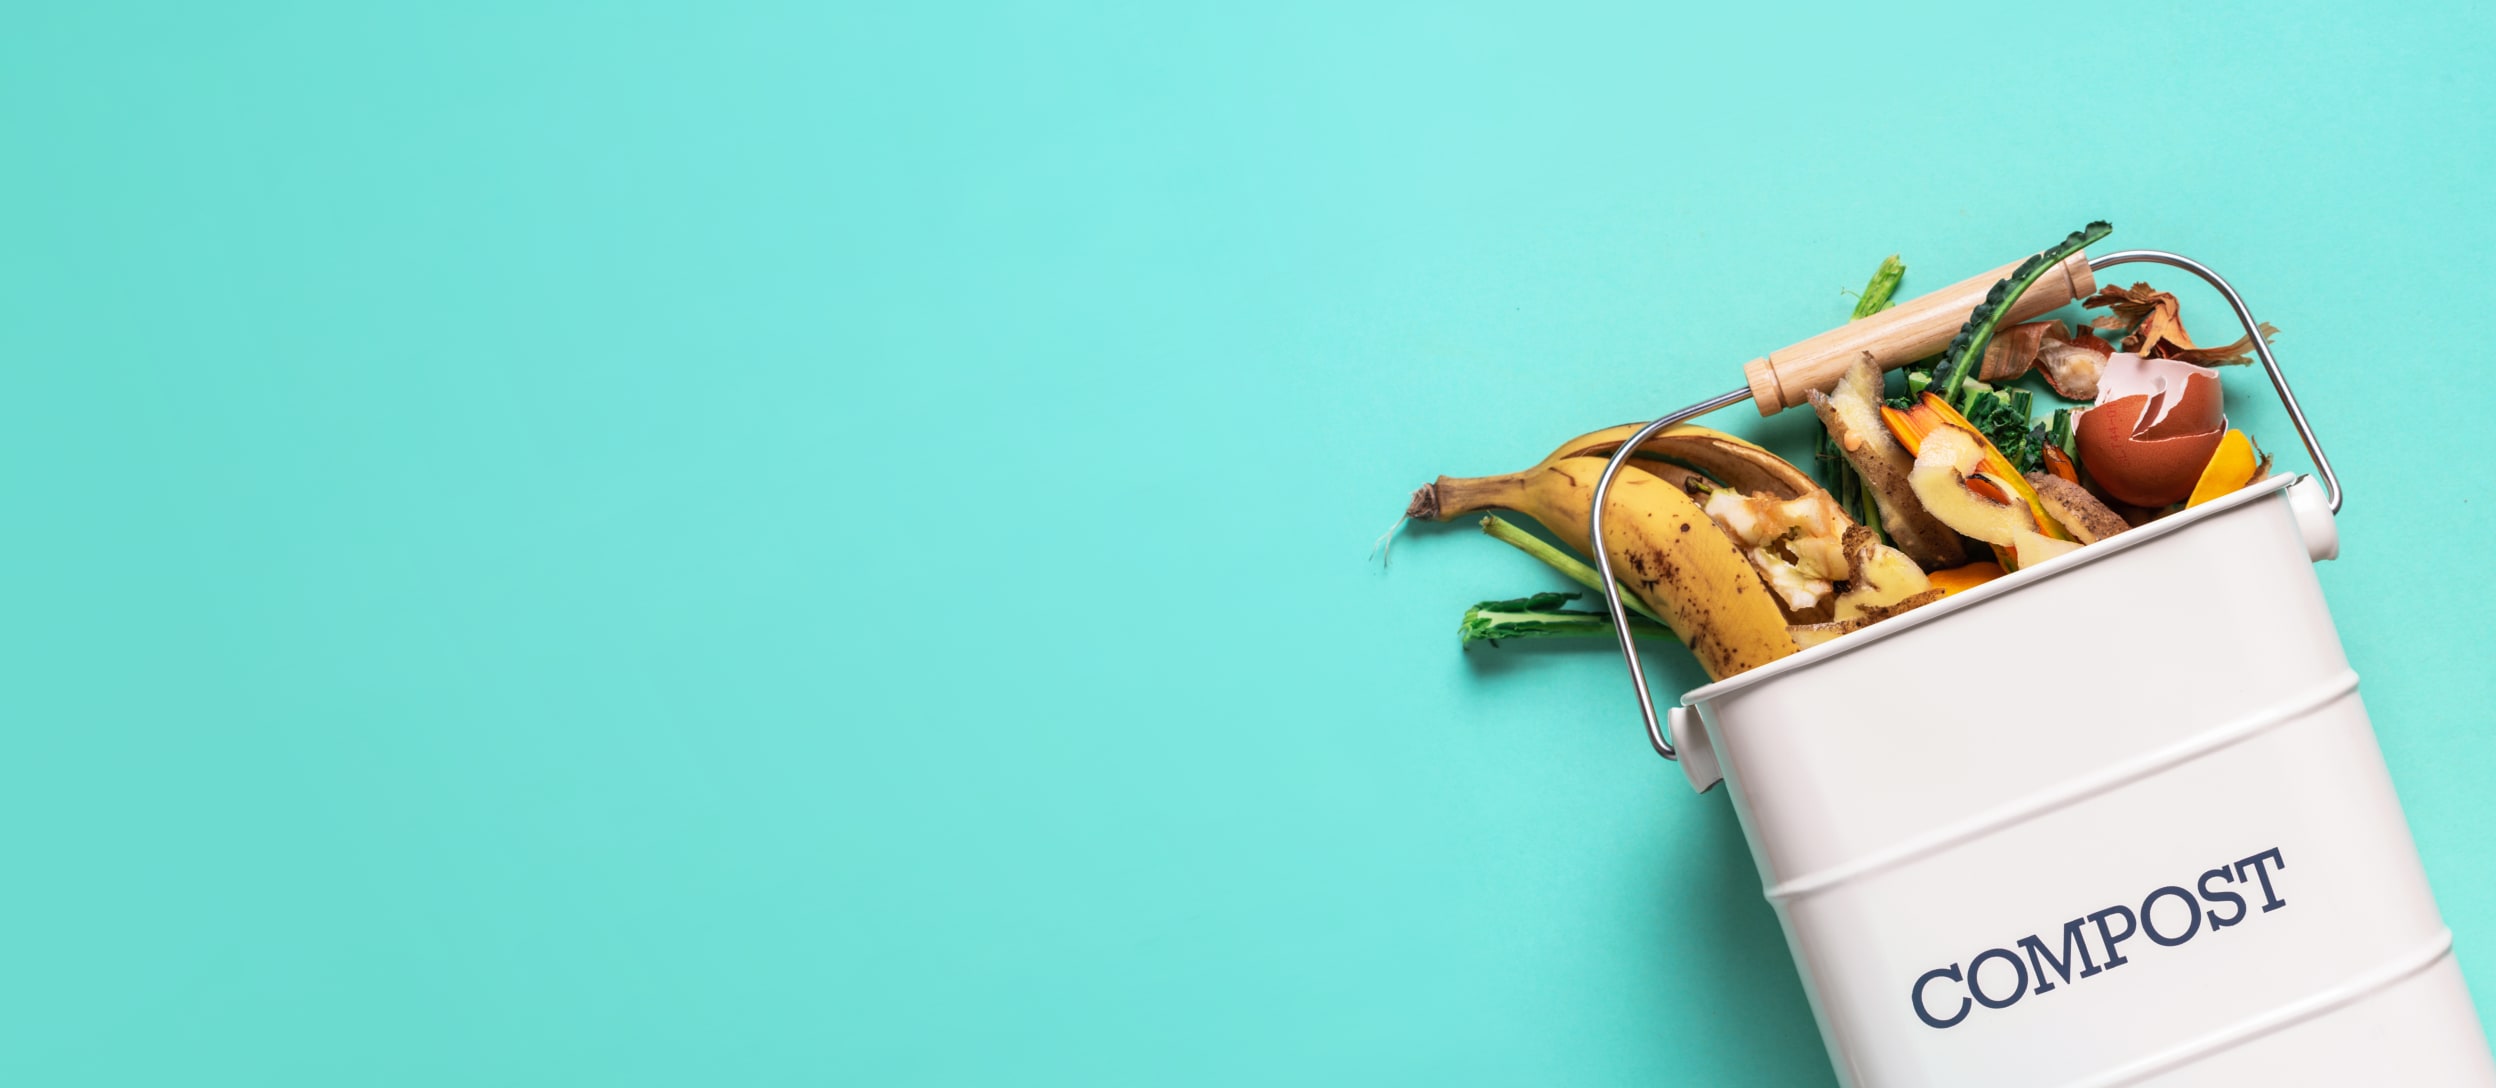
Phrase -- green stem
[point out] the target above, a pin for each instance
(1503, 530)
(1884, 285)
(1540, 616)
(1968, 348)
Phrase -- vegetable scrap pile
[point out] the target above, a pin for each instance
(1941, 476)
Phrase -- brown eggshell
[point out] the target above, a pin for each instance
(2201, 410)
(2144, 471)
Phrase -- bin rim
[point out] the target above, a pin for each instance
(1999, 587)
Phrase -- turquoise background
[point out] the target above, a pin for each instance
(744, 544)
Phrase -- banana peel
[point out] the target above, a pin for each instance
(1662, 545)
(1731, 461)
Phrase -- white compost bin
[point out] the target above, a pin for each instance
(2116, 819)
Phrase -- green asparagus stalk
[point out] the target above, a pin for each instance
(1883, 286)
(1832, 464)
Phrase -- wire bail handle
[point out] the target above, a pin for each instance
(1603, 484)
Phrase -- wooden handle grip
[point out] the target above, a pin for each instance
(1904, 333)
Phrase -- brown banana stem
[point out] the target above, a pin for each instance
(1455, 496)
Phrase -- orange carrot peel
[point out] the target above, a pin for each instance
(2059, 463)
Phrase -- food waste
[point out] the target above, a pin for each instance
(1931, 480)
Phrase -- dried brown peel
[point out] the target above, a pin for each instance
(2069, 361)
(2154, 325)
(2013, 350)
(2072, 362)
(2233, 353)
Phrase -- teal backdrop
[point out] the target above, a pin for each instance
(644, 544)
